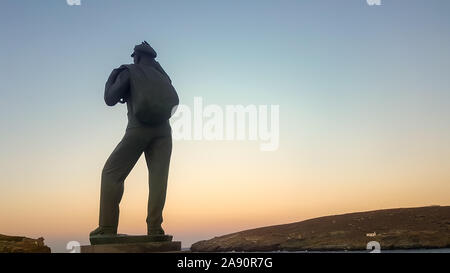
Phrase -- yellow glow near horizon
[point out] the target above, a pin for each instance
(236, 187)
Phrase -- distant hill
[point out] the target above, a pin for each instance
(402, 228)
(18, 244)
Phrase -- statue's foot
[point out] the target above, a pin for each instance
(102, 230)
(155, 231)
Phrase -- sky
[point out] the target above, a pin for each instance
(363, 94)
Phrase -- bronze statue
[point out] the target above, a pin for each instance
(150, 98)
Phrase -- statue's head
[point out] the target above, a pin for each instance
(143, 51)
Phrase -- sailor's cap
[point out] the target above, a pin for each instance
(145, 48)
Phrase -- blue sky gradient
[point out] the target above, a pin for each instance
(355, 83)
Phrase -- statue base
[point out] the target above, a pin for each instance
(128, 239)
(133, 248)
(122, 243)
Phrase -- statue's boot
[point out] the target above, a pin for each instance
(155, 231)
(103, 230)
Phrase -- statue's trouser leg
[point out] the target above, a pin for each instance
(157, 156)
(116, 169)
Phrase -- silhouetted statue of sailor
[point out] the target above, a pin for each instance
(150, 98)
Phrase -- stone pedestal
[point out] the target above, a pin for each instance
(123, 243)
(133, 248)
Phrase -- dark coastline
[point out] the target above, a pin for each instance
(394, 229)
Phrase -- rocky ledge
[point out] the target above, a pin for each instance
(17, 244)
(403, 228)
